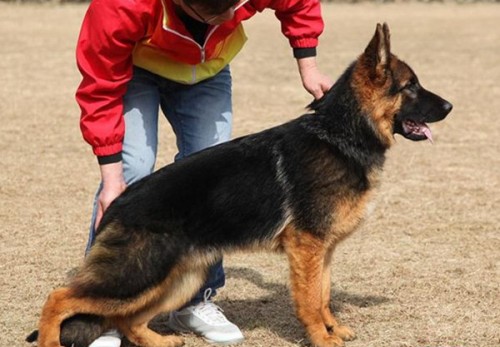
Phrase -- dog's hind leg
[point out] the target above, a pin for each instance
(136, 329)
(182, 284)
(53, 314)
(345, 333)
(62, 304)
(306, 254)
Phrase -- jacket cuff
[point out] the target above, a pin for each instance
(299, 53)
(109, 159)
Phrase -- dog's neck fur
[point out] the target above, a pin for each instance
(341, 123)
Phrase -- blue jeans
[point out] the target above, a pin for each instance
(200, 116)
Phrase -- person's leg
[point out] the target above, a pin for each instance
(201, 114)
(141, 107)
(201, 117)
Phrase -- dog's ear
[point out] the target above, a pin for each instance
(377, 54)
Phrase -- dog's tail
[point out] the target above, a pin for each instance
(78, 331)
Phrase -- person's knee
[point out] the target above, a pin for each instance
(210, 134)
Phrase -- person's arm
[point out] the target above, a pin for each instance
(302, 24)
(104, 57)
(315, 82)
(113, 184)
(109, 33)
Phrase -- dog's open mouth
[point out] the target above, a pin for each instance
(417, 129)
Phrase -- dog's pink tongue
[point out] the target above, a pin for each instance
(427, 132)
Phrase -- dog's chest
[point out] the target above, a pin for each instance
(349, 211)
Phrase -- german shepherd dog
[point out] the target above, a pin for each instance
(300, 188)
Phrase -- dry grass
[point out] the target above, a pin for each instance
(424, 269)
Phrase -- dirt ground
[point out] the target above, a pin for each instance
(422, 271)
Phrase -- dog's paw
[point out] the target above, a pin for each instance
(327, 340)
(173, 341)
(344, 332)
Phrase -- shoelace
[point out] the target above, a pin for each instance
(210, 311)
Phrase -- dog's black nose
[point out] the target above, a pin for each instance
(447, 107)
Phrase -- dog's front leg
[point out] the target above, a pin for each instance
(344, 332)
(306, 254)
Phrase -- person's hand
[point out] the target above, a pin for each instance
(113, 184)
(313, 80)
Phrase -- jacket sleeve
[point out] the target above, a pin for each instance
(301, 20)
(107, 38)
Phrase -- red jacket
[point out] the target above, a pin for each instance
(117, 34)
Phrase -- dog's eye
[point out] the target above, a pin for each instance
(410, 88)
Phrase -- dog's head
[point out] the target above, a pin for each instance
(391, 95)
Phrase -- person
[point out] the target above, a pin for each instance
(139, 56)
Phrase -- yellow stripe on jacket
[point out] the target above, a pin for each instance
(148, 57)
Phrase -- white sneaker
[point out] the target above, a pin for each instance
(207, 320)
(111, 338)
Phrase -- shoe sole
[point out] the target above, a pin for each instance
(178, 327)
(225, 343)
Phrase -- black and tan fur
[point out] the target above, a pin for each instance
(299, 188)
